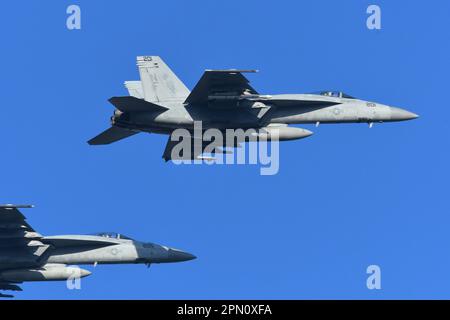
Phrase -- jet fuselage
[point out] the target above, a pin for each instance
(279, 109)
(224, 99)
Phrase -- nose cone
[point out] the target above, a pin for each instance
(175, 255)
(398, 114)
(75, 271)
(84, 273)
(307, 133)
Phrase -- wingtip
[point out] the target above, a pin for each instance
(16, 206)
(232, 70)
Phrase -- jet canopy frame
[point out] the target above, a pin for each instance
(334, 94)
(112, 235)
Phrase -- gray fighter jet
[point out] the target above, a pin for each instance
(26, 255)
(224, 99)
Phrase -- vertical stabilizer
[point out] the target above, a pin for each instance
(159, 83)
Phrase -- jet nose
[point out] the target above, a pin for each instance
(175, 255)
(398, 114)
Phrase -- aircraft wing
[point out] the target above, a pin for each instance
(20, 244)
(213, 82)
(11, 219)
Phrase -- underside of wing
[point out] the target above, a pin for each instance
(16, 235)
(220, 83)
(20, 244)
(12, 220)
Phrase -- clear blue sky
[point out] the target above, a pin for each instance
(345, 198)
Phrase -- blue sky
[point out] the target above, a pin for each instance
(344, 199)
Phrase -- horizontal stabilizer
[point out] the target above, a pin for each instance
(10, 287)
(111, 135)
(133, 104)
(6, 295)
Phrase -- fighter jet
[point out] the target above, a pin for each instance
(26, 255)
(224, 99)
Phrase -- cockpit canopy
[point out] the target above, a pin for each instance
(112, 235)
(335, 94)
